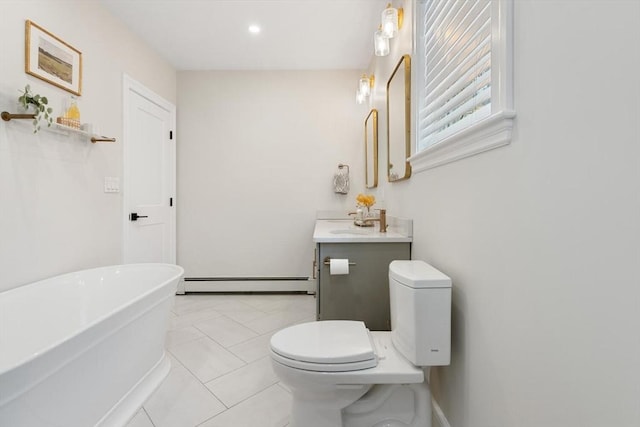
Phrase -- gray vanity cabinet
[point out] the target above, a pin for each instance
(363, 294)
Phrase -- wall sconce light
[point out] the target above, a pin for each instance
(380, 43)
(391, 21)
(365, 86)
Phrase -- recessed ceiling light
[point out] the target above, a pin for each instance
(254, 29)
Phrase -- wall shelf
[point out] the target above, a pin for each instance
(58, 128)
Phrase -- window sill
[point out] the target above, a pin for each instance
(487, 134)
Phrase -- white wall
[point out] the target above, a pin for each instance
(257, 151)
(54, 216)
(542, 237)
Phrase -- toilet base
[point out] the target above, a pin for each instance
(323, 408)
(391, 405)
(388, 405)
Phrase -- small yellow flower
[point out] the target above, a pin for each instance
(366, 200)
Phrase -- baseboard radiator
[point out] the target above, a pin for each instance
(248, 284)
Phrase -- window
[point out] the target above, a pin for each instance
(465, 99)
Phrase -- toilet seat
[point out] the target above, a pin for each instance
(327, 346)
(391, 367)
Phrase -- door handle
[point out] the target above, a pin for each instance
(133, 216)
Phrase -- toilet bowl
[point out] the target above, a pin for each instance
(343, 375)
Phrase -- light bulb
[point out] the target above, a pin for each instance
(389, 22)
(365, 86)
(380, 43)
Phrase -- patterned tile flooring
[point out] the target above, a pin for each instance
(221, 373)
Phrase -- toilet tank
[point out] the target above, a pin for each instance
(420, 299)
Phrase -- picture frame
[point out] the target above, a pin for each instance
(51, 59)
(371, 149)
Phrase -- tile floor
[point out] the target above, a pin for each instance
(221, 373)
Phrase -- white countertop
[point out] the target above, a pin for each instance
(345, 231)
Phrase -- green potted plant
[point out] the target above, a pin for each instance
(40, 105)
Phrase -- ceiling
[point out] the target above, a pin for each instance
(295, 34)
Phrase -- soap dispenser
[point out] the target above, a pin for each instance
(73, 112)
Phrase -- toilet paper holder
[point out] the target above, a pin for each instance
(327, 261)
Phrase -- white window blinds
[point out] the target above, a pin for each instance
(456, 44)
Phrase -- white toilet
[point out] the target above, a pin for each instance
(342, 374)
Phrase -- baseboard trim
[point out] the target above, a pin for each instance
(438, 415)
(245, 279)
(247, 286)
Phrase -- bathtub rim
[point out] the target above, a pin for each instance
(68, 337)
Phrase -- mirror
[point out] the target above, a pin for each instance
(371, 149)
(399, 121)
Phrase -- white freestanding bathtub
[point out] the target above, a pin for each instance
(86, 348)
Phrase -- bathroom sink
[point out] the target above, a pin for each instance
(350, 231)
(344, 231)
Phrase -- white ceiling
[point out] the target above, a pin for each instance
(295, 34)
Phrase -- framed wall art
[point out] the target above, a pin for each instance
(51, 59)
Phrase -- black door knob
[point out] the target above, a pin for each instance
(133, 216)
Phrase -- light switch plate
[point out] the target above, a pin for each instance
(111, 184)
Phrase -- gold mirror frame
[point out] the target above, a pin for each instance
(406, 132)
(371, 149)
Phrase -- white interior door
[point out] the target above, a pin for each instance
(149, 176)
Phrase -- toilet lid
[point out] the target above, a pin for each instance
(326, 342)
